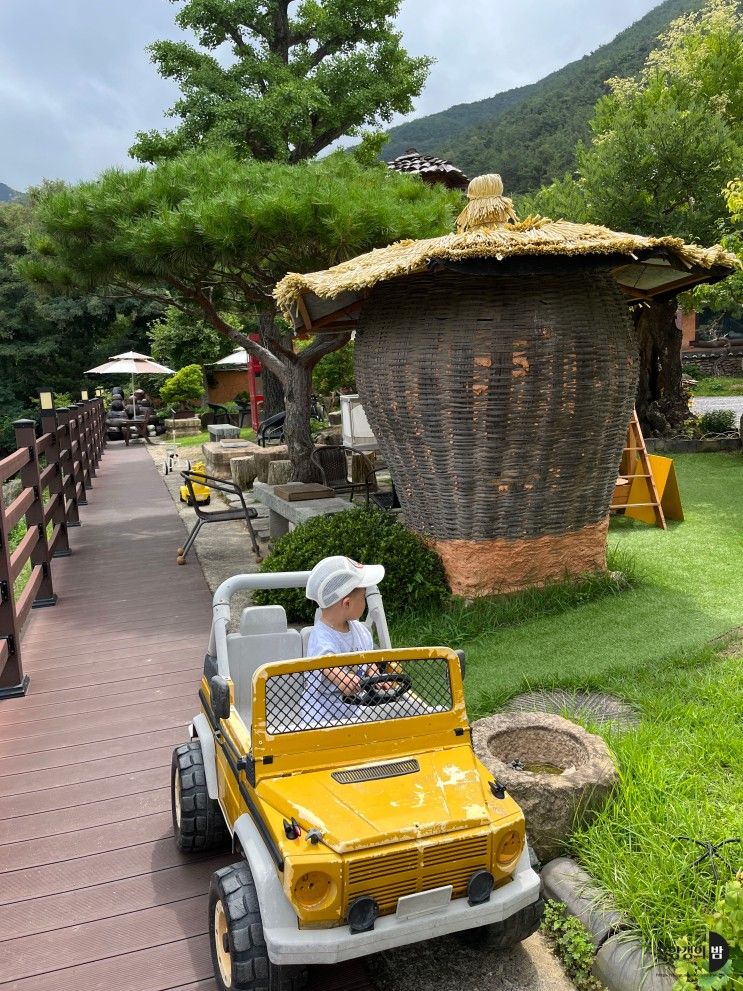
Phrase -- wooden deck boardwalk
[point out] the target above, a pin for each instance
(93, 893)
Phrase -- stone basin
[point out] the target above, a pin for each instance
(563, 774)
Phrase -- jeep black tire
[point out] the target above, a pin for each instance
(502, 935)
(198, 823)
(239, 952)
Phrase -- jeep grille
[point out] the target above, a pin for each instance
(387, 877)
(376, 772)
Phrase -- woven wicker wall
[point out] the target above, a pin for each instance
(501, 403)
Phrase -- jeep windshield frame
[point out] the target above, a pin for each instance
(433, 721)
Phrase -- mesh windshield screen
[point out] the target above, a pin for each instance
(346, 695)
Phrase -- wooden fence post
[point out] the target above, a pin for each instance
(96, 432)
(78, 457)
(68, 473)
(59, 544)
(12, 680)
(25, 435)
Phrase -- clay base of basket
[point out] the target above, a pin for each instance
(491, 567)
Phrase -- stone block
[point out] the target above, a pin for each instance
(182, 428)
(623, 965)
(329, 437)
(243, 471)
(279, 472)
(263, 458)
(334, 418)
(222, 431)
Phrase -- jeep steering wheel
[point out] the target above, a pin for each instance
(372, 694)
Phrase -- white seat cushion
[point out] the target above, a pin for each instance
(247, 652)
(263, 619)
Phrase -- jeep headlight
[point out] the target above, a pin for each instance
(508, 849)
(313, 889)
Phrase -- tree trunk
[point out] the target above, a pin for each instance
(273, 391)
(662, 402)
(297, 424)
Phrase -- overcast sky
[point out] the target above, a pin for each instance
(76, 82)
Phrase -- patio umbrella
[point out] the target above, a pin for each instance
(130, 363)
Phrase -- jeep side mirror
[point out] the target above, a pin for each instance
(462, 664)
(220, 692)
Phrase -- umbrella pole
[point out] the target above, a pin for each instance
(134, 398)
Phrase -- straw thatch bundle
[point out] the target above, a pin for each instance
(489, 228)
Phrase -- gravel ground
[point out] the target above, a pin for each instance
(445, 965)
(705, 404)
(224, 550)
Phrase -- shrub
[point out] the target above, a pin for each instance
(717, 421)
(185, 389)
(414, 576)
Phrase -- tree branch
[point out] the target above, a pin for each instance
(267, 359)
(323, 344)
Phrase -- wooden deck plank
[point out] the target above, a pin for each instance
(66, 756)
(54, 800)
(160, 968)
(94, 893)
(113, 898)
(116, 700)
(78, 873)
(53, 778)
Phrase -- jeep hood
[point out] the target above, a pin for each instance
(446, 794)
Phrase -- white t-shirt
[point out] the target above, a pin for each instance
(323, 701)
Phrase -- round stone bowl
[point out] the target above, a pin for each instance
(563, 775)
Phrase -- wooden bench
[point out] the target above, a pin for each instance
(281, 513)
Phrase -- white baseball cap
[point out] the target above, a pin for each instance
(334, 577)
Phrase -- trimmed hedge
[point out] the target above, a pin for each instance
(414, 576)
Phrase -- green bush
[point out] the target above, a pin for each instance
(693, 973)
(414, 576)
(717, 421)
(185, 389)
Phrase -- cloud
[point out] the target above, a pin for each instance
(76, 82)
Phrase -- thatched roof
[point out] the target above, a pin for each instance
(488, 228)
(430, 169)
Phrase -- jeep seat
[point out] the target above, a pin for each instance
(263, 638)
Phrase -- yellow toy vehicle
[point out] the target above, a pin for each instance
(361, 826)
(195, 491)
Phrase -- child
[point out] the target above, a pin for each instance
(338, 585)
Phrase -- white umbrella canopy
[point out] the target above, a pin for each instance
(130, 363)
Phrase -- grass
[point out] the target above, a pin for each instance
(718, 387)
(689, 590)
(680, 774)
(646, 640)
(193, 440)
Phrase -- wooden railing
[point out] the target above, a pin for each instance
(70, 447)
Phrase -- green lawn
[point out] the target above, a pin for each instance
(690, 590)
(192, 440)
(718, 387)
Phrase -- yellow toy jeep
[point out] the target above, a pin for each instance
(362, 823)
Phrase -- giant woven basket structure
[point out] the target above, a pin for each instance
(498, 369)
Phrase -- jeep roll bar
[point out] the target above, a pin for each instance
(221, 612)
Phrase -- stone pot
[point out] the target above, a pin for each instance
(557, 802)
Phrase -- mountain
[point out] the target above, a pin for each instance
(529, 134)
(7, 195)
